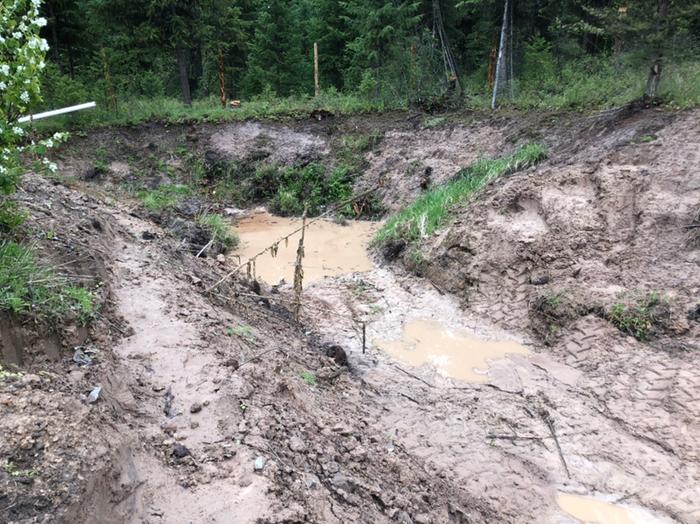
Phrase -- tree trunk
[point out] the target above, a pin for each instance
(183, 67)
(501, 55)
(655, 70)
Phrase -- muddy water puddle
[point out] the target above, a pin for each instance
(331, 249)
(454, 353)
(595, 511)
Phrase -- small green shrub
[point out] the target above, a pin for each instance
(163, 197)
(308, 377)
(640, 316)
(27, 287)
(312, 189)
(432, 209)
(220, 230)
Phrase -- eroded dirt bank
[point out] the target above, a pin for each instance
(219, 408)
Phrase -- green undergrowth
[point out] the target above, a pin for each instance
(163, 197)
(28, 287)
(220, 230)
(640, 315)
(433, 208)
(172, 110)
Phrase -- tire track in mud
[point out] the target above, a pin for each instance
(491, 436)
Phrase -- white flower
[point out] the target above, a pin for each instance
(50, 165)
(24, 97)
(33, 43)
(42, 65)
(41, 22)
(48, 143)
(18, 130)
(3, 86)
(5, 69)
(36, 3)
(16, 35)
(44, 45)
(2, 40)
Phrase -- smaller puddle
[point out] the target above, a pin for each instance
(454, 353)
(590, 510)
(330, 249)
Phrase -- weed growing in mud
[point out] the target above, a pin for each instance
(434, 121)
(163, 197)
(8, 374)
(640, 316)
(27, 287)
(242, 331)
(309, 378)
(432, 209)
(9, 468)
(219, 229)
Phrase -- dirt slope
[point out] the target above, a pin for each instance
(199, 387)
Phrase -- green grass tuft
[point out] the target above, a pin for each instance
(432, 209)
(220, 229)
(163, 197)
(27, 287)
(309, 378)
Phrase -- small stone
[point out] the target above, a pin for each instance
(180, 451)
(195, 408)
(297, 445)
(94, 395)
(539, 279)
(221, 259)
(259, 463)
(194, 424)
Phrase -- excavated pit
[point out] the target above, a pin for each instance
(216, 407)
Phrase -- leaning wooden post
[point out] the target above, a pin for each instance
(111, 96)
(299, 272)
(317, 85)
(222, 77)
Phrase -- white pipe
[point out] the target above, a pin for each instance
(55, 112)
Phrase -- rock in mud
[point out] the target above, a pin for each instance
(195, 408)
(297, 445)
(259, 463)
(180, 451)
(539, 279)
(94, 395)
(338, 354)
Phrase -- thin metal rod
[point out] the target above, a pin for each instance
(57, 112)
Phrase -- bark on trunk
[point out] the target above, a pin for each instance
(501, 55)
(183, 66)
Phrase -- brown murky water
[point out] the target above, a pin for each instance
(454, 353)
(330, 249)
(594, 511)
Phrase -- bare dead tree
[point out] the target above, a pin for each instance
(500, 65)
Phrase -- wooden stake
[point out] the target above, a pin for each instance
(299, 272)
(364, 337)
(317, 85)
(222, 78)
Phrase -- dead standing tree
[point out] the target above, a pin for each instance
(447, 57)
(504, 62)
(658, 42)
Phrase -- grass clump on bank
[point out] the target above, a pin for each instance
(220, 230)
(27, 287)
(163, 197)
(432, 209)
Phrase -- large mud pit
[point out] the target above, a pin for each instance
(494, 388)
(331, 248)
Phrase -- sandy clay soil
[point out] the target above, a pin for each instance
(216, 406)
